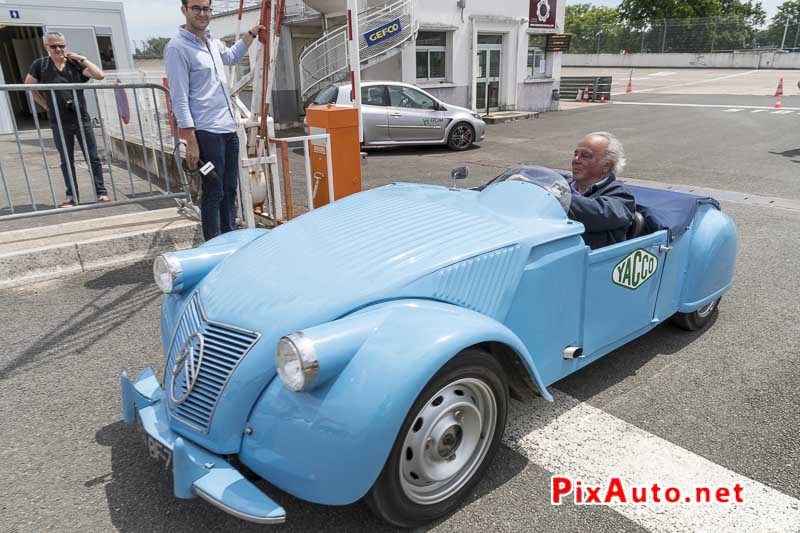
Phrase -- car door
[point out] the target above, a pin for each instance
(413, 116)
(622, 285)
(374, 110)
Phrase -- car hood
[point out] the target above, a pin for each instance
(397, 241)
(364, 248)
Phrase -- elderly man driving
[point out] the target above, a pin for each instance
(600, 201)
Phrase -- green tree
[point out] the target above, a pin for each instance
(593, 28)
(773, 35)
(153, 47)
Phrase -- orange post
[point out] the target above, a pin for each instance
(341, 123)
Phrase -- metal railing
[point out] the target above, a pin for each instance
(313, 180)
(293, 8)
(130, 150)
(596, 88)
(327, 57)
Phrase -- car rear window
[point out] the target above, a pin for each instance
(327, 95)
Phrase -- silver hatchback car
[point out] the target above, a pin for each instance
(397, 113)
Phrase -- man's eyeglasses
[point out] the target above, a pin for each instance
(204, 10)
(58, 46)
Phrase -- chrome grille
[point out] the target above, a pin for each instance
(223, 348)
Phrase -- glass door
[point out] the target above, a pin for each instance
(487, 82)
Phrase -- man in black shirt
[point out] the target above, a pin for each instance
(62, 66)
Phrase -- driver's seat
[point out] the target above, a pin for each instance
(637, 227)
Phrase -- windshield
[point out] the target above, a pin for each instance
(327, 95)
(546, 178)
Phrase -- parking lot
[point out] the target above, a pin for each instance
(717, 408)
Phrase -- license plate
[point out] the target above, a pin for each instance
(155, 449)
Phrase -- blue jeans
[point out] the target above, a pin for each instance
(71, 132)
(218, 207)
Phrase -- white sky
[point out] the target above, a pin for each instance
(160, 18)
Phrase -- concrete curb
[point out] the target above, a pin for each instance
(132, 242)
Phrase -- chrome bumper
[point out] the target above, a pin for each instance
(196, 472)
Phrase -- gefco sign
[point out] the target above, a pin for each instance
(543, 14)
(380, 34)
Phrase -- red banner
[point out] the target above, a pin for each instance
(543, 14)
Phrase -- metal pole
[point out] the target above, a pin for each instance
(161, 142)
(66, 157)
(785, 29)
(144, 142)
(309, 185)
(105, 144)
(330, 168)
(85, 146)
(664, 39)
(797, 32)
(5, 187)
(354, 47)
(41, 144)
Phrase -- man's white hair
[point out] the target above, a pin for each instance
(53, 36)
(615, 153)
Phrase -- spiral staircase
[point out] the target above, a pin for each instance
(326, 61)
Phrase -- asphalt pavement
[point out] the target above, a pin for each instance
(718, 405)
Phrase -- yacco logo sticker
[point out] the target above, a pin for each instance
(635, 269)
(384, 32)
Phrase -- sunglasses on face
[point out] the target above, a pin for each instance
(58, 46)
(204, 10)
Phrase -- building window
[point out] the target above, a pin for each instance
(431, 55)
(537, 62)
(107, 59)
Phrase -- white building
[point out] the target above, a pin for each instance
(487, 55)
(95, 29)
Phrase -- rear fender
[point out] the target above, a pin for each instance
(712, 259)
(329, 444)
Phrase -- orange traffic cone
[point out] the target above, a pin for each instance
(630, 84)
(778, 104)
(585, 95)
(779, 90)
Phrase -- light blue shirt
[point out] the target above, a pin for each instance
(197, 83)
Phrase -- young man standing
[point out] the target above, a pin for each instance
(202, 105)
(62, 66)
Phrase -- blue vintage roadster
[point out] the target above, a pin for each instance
(368, 349)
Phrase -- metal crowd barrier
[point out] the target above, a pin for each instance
(572, 87)
(133, 127)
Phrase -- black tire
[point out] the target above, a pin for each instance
(461, 137)
(471, 370)
(699, 319)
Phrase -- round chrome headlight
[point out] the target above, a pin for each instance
(296, 361)
(166, 269)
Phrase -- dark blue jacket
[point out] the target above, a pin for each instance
(606, 211)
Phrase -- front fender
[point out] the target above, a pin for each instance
(329, 444)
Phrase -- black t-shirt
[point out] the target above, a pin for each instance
(45, 71)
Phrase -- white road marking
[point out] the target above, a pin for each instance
(694, 82)
(760, 111)
(782, 112)
(574, 439)
(710, 106)
(733, 110)
(658, 74)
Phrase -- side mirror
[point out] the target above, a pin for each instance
(459, 173)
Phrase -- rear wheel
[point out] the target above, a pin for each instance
(446, 442)
(697, 319)
(461, 137)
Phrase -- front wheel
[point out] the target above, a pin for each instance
(697, 320)
(461, 137)
(446, 442)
